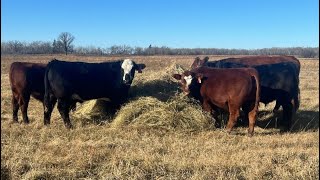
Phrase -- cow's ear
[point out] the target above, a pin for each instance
(206, 59)
(195, 63)
(177, 76)
(139, 67)
(198, 61)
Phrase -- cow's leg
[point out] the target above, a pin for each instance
(287, 116)
(64, 108)
(276, 107)
(24, 108)
(15, 108)
(217, 122)
(246, 109)
(234, 113)
(207, 107)
(252, 118)
(48, 106)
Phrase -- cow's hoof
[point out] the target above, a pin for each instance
(228, 131)
(250, 134)
(26, 122)
(46, 122)
(14, 122)
(69, 126)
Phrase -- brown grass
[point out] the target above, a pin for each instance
(157, 134)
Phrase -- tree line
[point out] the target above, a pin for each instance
(63, 44)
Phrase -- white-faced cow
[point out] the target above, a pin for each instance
(71, 82)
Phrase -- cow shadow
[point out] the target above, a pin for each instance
(160, 89)
(304, 120)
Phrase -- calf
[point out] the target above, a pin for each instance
(71, 82)
(228, 89)
(25, 79)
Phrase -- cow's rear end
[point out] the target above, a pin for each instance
(26, 79)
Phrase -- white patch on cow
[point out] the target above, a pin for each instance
(127, 66)
(188, 79)
(76, 97)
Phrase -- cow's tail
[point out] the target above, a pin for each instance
(255, 74)
(12, 69)
(296, 98)
(47, 87)
(47, 104)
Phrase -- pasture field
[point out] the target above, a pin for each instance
(161, 148)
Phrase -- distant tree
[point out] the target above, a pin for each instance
(16, 47)
(65, 39)
(57, 47)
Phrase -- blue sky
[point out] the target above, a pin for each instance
(247, 24)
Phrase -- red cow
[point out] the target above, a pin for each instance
(228, 89)
(26, 79)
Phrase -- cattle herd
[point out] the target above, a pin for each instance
(229, 84)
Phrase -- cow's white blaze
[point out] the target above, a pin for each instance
(127, 66)
(188, 80)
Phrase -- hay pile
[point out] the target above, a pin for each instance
(178, 112)
(153, 103)
(94, 111)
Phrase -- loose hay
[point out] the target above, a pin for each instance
(178, 112)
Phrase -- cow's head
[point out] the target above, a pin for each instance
(128, 68)
(199, 63)
(189, 81)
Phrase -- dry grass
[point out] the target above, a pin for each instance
(158, 134)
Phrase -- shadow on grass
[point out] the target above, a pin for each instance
(302, 121)
(160, 89)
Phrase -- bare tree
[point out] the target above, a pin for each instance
(66, 39)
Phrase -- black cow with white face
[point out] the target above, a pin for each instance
(71, 82)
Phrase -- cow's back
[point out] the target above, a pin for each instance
(86, 80)
(229, 82)
(262, 60)
(282, 76)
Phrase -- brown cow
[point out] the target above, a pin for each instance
(26, 79)
(228, 89)
(250, 61)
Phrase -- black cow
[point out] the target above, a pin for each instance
(279, 81)
(71, 82)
